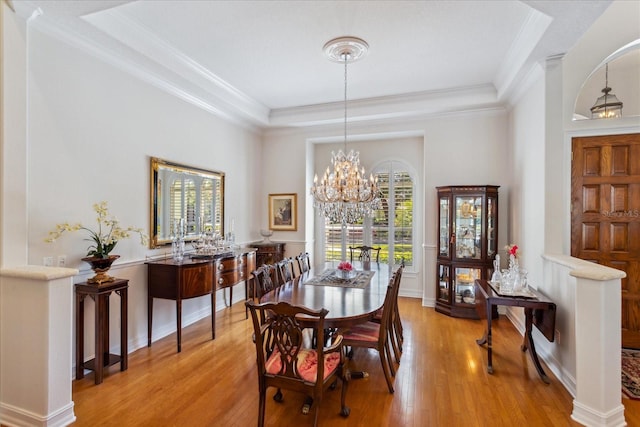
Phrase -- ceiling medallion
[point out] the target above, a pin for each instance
(353, 48)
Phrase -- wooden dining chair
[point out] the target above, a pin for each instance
(375, 335)
(365, 253)
(291, 261)
(264, 279)
(284, 363)
(304, 262)
(284, 270)
(395, 330)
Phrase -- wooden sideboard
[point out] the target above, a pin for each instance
(191, 278)
(268, 252)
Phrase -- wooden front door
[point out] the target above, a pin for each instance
(605, 215)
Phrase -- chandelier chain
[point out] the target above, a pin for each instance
(346, 58)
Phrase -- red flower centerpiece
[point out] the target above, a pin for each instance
(345, 266)
(344, 270)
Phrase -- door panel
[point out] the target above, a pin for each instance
(605, 215)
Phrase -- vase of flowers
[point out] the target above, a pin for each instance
(344, 269)
(100, 266)
(512, 280)
(103, 240)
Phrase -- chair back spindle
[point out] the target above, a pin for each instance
(284, 271)
(365, 253)
(304, 262)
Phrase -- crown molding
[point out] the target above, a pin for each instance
(10, 5)
(157, 63)
(158, 77)
(384, 109)
(334, 132)
(520, 51)
(164, 55)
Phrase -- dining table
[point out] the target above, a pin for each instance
(349, 301)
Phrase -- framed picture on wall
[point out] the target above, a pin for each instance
(283, 212)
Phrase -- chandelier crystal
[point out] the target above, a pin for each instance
(344, 194)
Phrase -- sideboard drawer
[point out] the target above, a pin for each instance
(226, 264)
(227, 279)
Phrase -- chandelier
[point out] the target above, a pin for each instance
(344, 194)
(608, 105)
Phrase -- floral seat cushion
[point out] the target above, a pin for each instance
(307, 364)
(368, 332)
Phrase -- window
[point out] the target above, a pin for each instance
(391, 227)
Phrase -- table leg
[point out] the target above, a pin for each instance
(246, 295)
(213, 314)
(123, 329)
(107, 328)
(486, 339)
(179, 323)
(149, 319)
(79, 336)
(355, 375)
(99, 338)
(306, 406)
(528, 342)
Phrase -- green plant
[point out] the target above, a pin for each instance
(105, 237)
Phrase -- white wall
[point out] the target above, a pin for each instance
(527, 176)
(458, 149)
(90, 131)
(13, 242)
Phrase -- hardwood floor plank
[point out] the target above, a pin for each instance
(441, 381)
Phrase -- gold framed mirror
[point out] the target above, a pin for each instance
(181, 191)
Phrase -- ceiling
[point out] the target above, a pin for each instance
(261, 62)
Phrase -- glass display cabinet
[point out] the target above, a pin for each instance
(467, 245)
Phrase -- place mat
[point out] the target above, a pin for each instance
(331, 277)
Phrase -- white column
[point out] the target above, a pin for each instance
(36, 321)
(598, 344)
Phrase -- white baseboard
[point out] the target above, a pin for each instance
(18, 417)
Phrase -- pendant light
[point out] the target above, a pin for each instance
(344, 194)
(607, 106)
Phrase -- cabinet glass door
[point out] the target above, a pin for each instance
(444, 283)
(464, 284)
(492, 206)
(468, 227)
(445, 229)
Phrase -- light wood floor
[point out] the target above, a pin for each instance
(442, 381)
